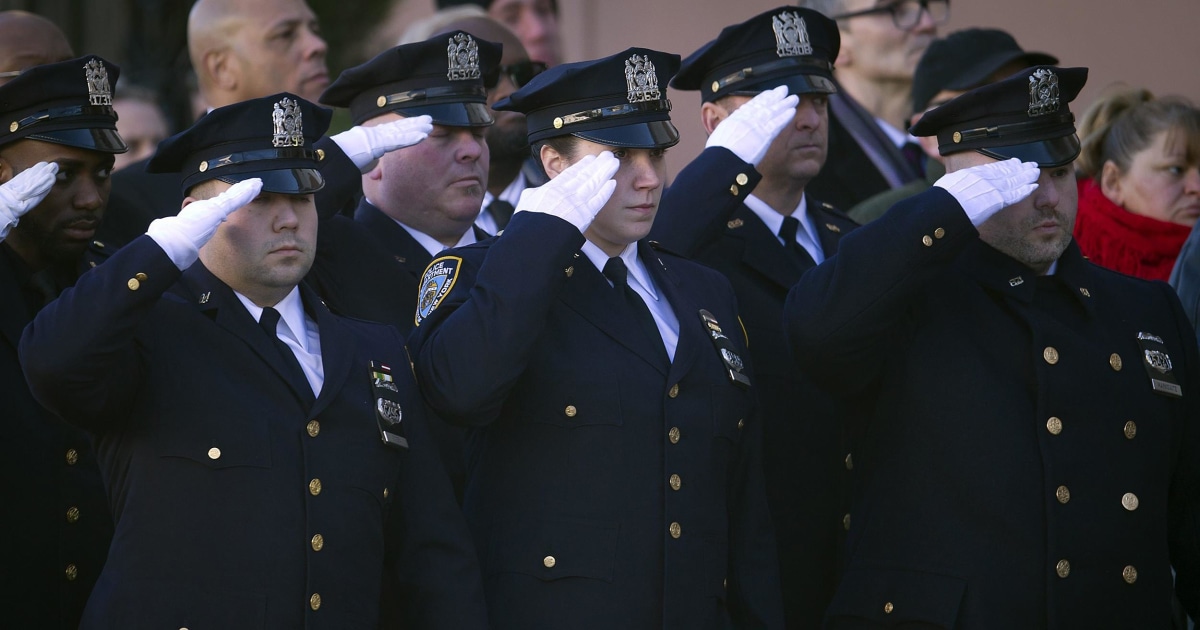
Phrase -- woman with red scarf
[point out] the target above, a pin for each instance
(1139, 192)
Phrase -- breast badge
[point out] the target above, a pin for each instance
(436, 284)
(734, 365)
(1158, 365)
(388, 412)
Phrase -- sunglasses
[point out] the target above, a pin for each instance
(519, 73)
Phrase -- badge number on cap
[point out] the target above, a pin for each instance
(791, 35)
(641, 79)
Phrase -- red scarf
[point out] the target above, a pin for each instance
(1117, 239)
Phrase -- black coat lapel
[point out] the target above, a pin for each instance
(762, 251)
(672, 289)
(337, 350)
(395, 239)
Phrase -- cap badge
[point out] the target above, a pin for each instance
(289, 126)
(791, 35)
(641, 79)
(99, 91)
(1043, 93)
(462, 58)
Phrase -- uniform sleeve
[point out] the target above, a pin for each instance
(694, 210)
(476, 342)
(841, 313)
(1184, 501)
(80, 354)
(343, 181)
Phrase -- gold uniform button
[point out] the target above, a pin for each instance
(570, 271)
(676, 482)
(1130, 574)
(1063, 494)
(888, 608)
(741, 423)
(133, 284)
(72, 456)
(1063, 568)
(381, 101)
(140, 276)
(1054, 425)
(203, 167)
(849, 461)
(549, 562)
(1130, 430)
(927, 240)
(1050, 354)
(1129, 501)
(570, 411)
(314, 487)
(14, 125)
(313, 428)
(72, 515)
(674, 435)
(716, 85)
(71, 572)
(314, 602)
(674, 391)
(320, 155)
(318, 542)
(1114, 360)
(733, 190)
(957, 137)
(558, 123)
(214, 453)
(939, 233)
(385, 493)
(742, 180)
(846, 522)
(676, 530)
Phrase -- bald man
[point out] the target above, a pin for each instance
(28, 40)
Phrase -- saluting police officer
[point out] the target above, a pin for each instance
(260, 451)
(741, 208)
(1031, 457)
(57, 142)
(614, 475)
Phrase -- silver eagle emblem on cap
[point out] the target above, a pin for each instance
(289, 124)
(1043, 93)
(791, 35)
(641, 79)
(462, 58)
(99, 90)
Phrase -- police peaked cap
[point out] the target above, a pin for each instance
(966, 59)
(1024, 116)
(270, 138)
(443, 77)
(68, 102)
(789, 46)
(619, 101)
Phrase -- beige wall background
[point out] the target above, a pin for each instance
(1148, 43)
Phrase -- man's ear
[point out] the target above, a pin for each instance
(711, 114)
(1110, 182)
(222, 66)
(553, 161)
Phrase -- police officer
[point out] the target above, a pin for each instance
(1031, 447)
(57, 143)
(741, 208)
(239, 421)
(614, 475)
(422, 199)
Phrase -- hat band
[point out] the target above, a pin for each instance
(626, 109)
(1000, 131)
(434, 92)
(812, 64)
(62, 112)
(258, 156)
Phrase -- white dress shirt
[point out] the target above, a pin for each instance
(299, 332)
(511, 194)
(806, 236)
(643, 285)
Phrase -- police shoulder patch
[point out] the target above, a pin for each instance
(436, 284)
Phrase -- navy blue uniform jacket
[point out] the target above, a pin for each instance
(221, 477)
(804, 450)
(1020, 468)
(605, 488)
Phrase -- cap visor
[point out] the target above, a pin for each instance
(1050, 153)
(96, 139)
(656, 134)
(797, 84)
(452, 114)
(289, 181)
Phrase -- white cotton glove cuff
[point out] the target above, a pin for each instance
(24, 192)
(985, 189)
(578, 193)
(749, 131)
(365, 145)
(182, 235)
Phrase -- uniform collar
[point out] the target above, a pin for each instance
(291, 313)
(1005, 275)
(637, 271)
(434, 246)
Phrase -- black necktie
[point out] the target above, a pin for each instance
(787, 232)
(269, 321)
(915, 156)
(501, 211)
(618, 274)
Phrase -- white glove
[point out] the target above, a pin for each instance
(23, 192)
(985, 189)
(365, 145)
(751, 128)
(577, 194)
(182, 235)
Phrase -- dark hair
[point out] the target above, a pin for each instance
(566, 146)
(1123, 123)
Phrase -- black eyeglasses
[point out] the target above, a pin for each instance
(906, 14)
(519, 73)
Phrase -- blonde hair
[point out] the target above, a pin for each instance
(1124, 122)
